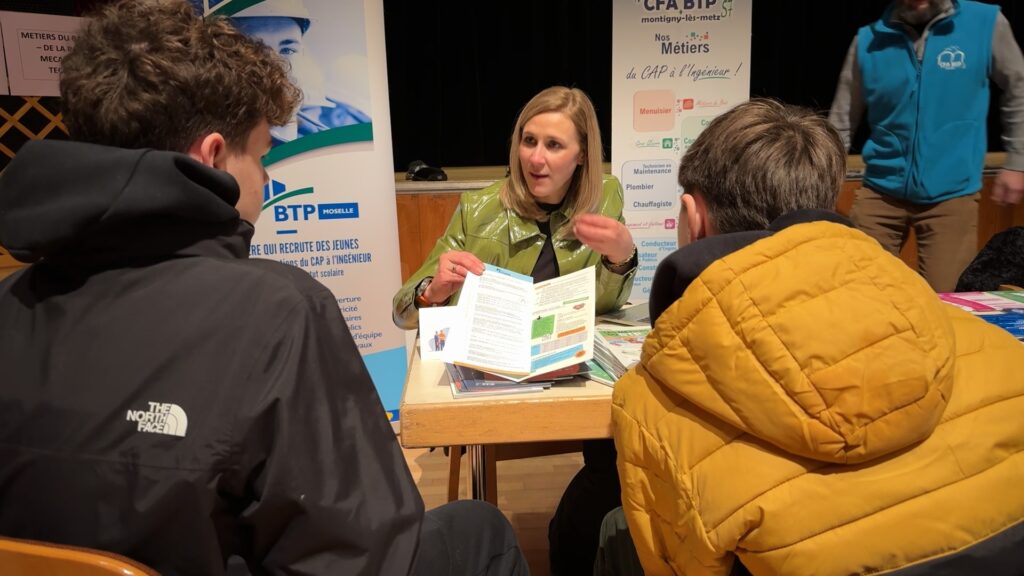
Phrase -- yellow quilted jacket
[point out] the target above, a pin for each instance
(810, 406)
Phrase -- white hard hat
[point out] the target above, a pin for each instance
(288, 8)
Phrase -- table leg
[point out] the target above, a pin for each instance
(477, 472)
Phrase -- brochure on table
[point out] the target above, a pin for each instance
(469, 382)
(507, 325)
(984, 302)
(618, 348)
(1001, 308)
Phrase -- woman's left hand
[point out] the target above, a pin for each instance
(606, 236)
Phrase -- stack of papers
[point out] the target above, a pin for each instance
(471, 382)
(599, 374)
(618, 348)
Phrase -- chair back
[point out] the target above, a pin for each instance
(31, 558)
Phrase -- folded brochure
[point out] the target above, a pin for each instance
(507, 325)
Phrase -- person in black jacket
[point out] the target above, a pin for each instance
(163, 396)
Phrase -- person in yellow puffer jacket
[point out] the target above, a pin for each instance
(805, 403)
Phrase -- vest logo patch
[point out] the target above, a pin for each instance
(952, 58)
(161, 418)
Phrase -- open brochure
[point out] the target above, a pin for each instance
(507, 325)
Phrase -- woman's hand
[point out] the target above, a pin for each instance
(606, 236)
(452, 268)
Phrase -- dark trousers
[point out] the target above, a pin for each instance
(468, 537)
(576, 526)
(617, 554)
(462, 538)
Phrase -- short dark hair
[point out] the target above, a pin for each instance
(153, 74)
(761, 160)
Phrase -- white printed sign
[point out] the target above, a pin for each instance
(34, 47)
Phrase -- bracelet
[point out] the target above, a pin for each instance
(421, 289)
(629, 259)
(421, 301)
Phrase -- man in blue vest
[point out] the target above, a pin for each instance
(921, 75)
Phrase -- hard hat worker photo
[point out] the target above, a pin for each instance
(283, 26)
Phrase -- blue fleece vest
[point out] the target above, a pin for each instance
(927, 118)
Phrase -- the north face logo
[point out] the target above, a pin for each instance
(161, 418)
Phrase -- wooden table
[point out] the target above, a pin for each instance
(431, 417)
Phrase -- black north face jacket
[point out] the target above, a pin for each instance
(167, 398)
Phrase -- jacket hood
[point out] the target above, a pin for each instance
(815, 340)
(86, 203)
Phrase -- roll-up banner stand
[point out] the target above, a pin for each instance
(676, 64)
(330, 205)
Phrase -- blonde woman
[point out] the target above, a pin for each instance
(555, 214)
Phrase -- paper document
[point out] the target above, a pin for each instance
(467, 382)
(515, 328)
(1002, 308)
(618, 348)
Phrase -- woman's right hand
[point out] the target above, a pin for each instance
(452, 267)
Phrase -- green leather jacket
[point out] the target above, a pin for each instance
(498, 236)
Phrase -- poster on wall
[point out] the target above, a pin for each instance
(676, 64)
(34, 47)
(330, 205)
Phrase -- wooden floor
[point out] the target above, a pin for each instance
(528, 492)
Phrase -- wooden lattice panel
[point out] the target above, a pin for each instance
(28, 118)
(6, 259)
(7, 264)
(23, 119)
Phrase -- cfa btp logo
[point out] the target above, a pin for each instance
(658, 5)
(297, 205)
(952, 58)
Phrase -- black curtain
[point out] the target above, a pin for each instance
(460, 71)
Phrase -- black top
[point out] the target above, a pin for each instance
(546, 267)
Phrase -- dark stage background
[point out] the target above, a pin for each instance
(459, 71)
